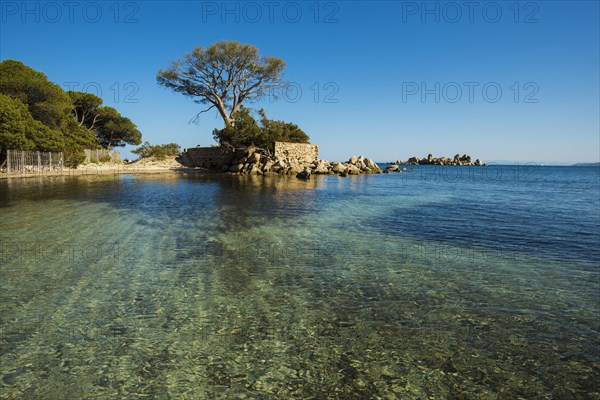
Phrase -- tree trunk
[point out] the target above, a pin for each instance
(229, 121)
(223, 112)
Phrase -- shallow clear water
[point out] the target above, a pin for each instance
(438, 283)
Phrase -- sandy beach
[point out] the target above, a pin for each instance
(142, 166)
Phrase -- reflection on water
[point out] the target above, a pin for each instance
(194, 286)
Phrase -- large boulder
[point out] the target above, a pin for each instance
(236, 168)
(294, 168)
(321, 167)
(339, 168)
(254, 158)
(352, 169)
(250, 151)
(267, 166)
(256, 169)
(280, 164)
(372, 165)
(304, 174)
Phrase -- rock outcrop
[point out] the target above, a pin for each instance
(393, 168)
(258, 161)
(298, 159)
(431, 160)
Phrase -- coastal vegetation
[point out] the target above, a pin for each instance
(38, 115)
(223, 76)
(159, 151)
(111, 128)
(247, 132)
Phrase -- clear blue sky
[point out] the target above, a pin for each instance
(376, 56)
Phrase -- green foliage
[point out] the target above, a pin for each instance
(94, 160)
(76, 140)
(243, 133)
(111, 128)
(85, 108)
(159, 151)
(46, 101)
(36, 114)
(15, 123)
(280, 131)
(247, 132)
(105, 158)
(76, 136)
(73, 157)
(223, 76)
(19, 131)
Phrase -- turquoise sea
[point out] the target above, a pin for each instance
(436, 283)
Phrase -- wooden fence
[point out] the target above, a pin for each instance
(21, 162)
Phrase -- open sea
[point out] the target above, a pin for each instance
(435, 283)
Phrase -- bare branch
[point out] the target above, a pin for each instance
(195, 120)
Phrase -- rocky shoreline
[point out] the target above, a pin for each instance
(459, 160)
(255, 161)
(259, 162)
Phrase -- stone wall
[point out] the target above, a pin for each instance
(213, 158)
(296, 153)
(220, 158)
